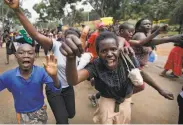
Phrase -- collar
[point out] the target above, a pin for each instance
(18, 72)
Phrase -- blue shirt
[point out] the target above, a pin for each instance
(28, 94)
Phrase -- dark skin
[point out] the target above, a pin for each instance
(44, 41)
(25, 56)
(144, 31)
(125, 37)
(128, 34)
(70, 50)
(108, 52)
(146, 28)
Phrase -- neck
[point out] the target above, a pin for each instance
(127, 39)
(26, 73)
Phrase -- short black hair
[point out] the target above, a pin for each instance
(124, 26)
(105, 35)
(72, 31)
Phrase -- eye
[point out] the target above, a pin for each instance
(30, 53)
(103, 51)
(20, 53)
(113, 49)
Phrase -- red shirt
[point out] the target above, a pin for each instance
(92, 42)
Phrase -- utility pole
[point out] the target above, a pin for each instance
(2, 17)
(88, 16)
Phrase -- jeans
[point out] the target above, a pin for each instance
(62, 104)
(180, 103)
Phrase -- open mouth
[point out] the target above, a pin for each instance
(111, 63)
(26, 63)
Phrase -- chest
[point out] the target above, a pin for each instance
(114, 78)
(22, 86)
(142, 50)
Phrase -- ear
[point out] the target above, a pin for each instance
(16, 56)
(121, 31)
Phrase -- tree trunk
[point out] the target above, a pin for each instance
(102, 8)
(180, 27)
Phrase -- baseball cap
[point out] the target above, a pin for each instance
(101, 24)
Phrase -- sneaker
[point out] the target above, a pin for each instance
(172, 75)
(93, 100)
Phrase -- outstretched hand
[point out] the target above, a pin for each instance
(177, 38)
(51, 65)
(13, 4)
(168, 95)
(163, 28)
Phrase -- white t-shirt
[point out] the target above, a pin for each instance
(181, 94)
(61, 60)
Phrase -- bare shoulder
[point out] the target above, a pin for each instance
(138, 36)
(121, 39)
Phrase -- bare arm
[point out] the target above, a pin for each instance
(44, 41)
(56, 82)
(141, 39)
(73, 76)
(174, 39)
(121, 42)
(153, 84)
(87, 46)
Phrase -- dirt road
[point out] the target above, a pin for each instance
(149, 107)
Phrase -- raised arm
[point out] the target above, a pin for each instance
(141, 36)
(73, 76)
(173, 39)
(140, 39)
(51, 68)
(71, 48)
(44, 41)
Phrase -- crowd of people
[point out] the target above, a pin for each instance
(113, 59)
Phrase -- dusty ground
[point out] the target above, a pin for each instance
(149, 107)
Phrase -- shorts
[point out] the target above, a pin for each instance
(36, 117)
(37, 48)
(105, 112)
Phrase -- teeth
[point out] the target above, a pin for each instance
(110, 61)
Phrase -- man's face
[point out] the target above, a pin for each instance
(108, 52)
(25, 56)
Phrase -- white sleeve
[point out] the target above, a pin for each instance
(181, 94)
(84, 60)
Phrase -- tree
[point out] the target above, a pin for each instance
(49, 10)
(8, 17)
(177, 15)
(107, 7)
(75, 16)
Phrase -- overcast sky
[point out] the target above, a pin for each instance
(28, 4)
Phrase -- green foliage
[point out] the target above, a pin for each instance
(7, 15)
(49, 10)
(177, 14)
